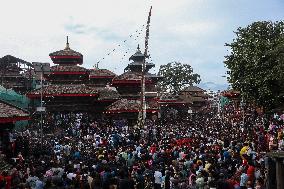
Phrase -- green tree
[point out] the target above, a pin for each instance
(177, 76)
(256, 63)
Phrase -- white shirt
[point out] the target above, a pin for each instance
(158, 177)
(71, 176)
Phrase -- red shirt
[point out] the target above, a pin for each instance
(250, 172)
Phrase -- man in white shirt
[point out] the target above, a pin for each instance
(158, 179)
(243, 180)
(71, 176)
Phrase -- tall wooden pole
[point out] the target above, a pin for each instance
(142, 113)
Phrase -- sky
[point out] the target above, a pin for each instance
(188, 31)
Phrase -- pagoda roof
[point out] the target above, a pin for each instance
(66, 56)
(101, 73)
(147, 64)
(137, 56)
(108, 93)
(193, 89)
(65, 90)
(69, 69)
(133, 77)
(66, 52)
(10, 113)
(126, 105)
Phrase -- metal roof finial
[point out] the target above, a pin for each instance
(67, 43)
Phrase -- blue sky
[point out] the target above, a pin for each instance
(189, 31)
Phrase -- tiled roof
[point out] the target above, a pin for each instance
(147, 64)
(108, 93)
(54, 90)
(66, 52)
(9, 111)
(125, 105)
(103, 93)
(129, 75)
(101, 73)
(137, 56)
(193, 89)
(168, 96)
(68, 68)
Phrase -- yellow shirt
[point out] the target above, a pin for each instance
(243, 151)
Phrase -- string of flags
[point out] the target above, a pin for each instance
(134, 36)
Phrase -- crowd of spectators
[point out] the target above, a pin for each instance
(201, 151)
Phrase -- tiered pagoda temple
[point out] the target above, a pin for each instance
(72, 88)
(128, 85)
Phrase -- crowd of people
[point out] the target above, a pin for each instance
(199, 151)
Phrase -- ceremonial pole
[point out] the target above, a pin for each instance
(142, 113)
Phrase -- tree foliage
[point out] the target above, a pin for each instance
(256, 63)
(177, 76)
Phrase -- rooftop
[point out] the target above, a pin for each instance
(137, 56)
(109, 93)
(193, 89)
(130, 75)
(101, 73)
(66, 52)
(65, 90)
(12, 112)
(68, 68)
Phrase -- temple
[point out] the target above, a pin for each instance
(72, 88)
(128, 86)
